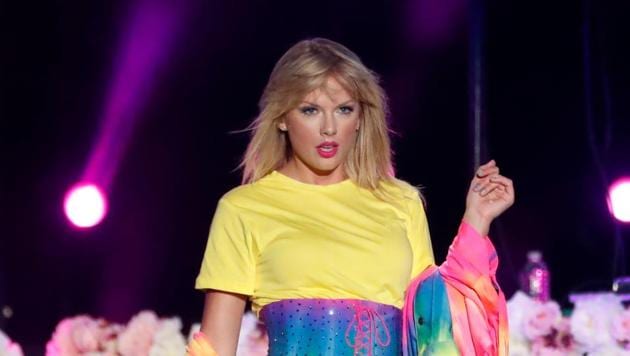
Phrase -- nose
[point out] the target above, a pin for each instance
(329, 126)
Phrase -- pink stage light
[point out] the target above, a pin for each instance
(144, 52)
(619, 199)
(145, 49)
(85, 205)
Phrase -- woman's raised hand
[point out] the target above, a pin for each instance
(490, 194)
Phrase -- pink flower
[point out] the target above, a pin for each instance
(137, 338)
(561, 336)
(80, 335)
(253, 339)
(86, 333)
(8, 347)
(62, 342)
(559, 341)
(74, 336)
(540, 319)
(621, 328)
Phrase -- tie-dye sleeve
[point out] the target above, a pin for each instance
(472, 260)
(475, 319)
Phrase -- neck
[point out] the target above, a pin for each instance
(301, 172)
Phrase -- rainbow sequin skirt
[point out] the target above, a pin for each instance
(332, 327)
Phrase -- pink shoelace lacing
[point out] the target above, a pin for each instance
(366, 319)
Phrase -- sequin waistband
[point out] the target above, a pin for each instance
(332, 327)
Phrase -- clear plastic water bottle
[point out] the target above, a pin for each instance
(535, 277)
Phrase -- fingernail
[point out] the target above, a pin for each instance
(476, 188)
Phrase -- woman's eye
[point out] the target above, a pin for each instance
(346, 110)
(308, 110)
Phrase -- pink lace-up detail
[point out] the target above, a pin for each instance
(365, 321)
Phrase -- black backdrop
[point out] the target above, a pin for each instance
(58, 60)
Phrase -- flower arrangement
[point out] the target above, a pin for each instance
(145, 334)
(598, 325)
(8, 347)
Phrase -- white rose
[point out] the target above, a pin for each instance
(591, 321)
(168, 339)
(519, 347)
(517, 308)
(610, 350)
(540, 319)
(194, 328)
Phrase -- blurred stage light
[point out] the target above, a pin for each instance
(7, 312)
(85, 205)
(619, 199)
(145, 47)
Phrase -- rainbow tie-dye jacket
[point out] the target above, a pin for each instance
(458, 307)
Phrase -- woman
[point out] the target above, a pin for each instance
(321, 237)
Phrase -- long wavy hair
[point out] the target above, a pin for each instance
(303, 68)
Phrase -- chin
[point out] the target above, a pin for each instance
(324, 169)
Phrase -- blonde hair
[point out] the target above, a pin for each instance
(303, 68)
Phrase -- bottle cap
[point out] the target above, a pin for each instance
(534, 256)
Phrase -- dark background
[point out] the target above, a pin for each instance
(557, 124)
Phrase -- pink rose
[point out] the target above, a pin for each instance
(80, 335)
(9, 347)
(558, 341)
(63, 342)
(540, 319)
(253, 339)
(86, 333)
(562, 337)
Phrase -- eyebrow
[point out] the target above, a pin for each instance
(347, 102)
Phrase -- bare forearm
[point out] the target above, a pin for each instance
(221, 321)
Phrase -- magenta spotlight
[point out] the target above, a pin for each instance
(85, 205)
(619, 199)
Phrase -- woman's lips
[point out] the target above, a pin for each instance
(327, 149)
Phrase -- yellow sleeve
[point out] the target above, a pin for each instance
(419, 237)
(229, 261)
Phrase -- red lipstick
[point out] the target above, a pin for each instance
(327, 149)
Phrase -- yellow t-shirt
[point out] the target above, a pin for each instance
(279, 238)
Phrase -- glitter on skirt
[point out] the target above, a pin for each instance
(332, 327)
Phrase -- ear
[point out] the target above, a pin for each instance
(358, 125)
(282, 126)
